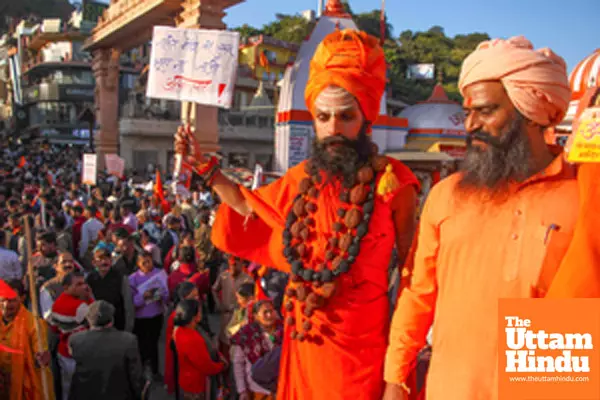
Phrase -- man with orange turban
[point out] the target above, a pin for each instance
(331, 222)
(498, 228)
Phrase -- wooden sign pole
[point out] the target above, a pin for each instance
(41, 339)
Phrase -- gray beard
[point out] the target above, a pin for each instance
(492, 169)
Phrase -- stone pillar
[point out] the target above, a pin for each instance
(204, 14)
(105, 65)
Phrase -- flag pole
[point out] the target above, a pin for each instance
(41, 342)
(382, 23)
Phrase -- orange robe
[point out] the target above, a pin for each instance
(25, 376)
(346, 359)
(579, 272)
(470, 253)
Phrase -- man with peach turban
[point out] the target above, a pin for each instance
(331, 222)
(498, 228)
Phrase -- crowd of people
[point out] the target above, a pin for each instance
(121, 277)
(116, 266)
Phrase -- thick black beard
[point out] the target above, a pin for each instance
(504, 160)
(345, 160)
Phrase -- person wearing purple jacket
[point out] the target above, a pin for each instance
(150, 296)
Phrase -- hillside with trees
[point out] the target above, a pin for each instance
(432, 46)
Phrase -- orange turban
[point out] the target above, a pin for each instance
(354, 61)
(536, 80)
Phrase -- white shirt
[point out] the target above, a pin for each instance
(89, 233)
(10, 267)
(131, 220)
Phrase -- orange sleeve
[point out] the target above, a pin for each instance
(579, 271)
(259, 238)
(414, 312)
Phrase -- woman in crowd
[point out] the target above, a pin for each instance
(193, 358)
(148, 244)
(150, 296)
(262, 334)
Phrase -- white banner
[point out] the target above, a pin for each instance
(257, 180)
(420, 71)
(195, 65)
(88, 172)
(115, 165)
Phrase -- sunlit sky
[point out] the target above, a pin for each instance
(570, 28)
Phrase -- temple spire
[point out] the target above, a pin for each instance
(335, 8)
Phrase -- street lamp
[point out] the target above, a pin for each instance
(88, 116)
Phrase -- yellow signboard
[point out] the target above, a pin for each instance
(586, 143)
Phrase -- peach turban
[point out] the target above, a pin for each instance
(354, 61)
(536, 80)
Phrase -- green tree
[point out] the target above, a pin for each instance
(432, 46)
(289, 28)
(247, 31)
(370, 22)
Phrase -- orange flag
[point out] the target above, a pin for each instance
(22, 162)
(264, 61)
(160, 193)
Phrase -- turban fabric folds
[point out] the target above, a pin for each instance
(354, 61)
(536, 80)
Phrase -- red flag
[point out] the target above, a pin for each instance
(6, 292)
(160, 193)
(185, 174)
(22, 162)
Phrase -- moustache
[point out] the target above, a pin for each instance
(337, 139)
(485, 138)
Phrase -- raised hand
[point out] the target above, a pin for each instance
(187, 145)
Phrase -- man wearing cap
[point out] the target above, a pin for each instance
(497, 229)
(21, 371)
(117, 373)
(332, 221)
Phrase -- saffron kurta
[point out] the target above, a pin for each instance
(579, 272)
(25, 377)
(345, 361)
(471, 253)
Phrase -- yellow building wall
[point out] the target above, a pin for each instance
(250, 56)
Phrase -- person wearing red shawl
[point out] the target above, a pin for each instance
(185, 291)
(194, 361)
(331, 222)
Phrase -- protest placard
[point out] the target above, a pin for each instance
(195, 65)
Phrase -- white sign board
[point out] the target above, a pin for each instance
(258, 177)
(88, 173)
(420, 71)
(292, 145)
(115, 165)
(195, 65)
(299, 144)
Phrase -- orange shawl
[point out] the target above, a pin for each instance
(345, 359)
(26, 380)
